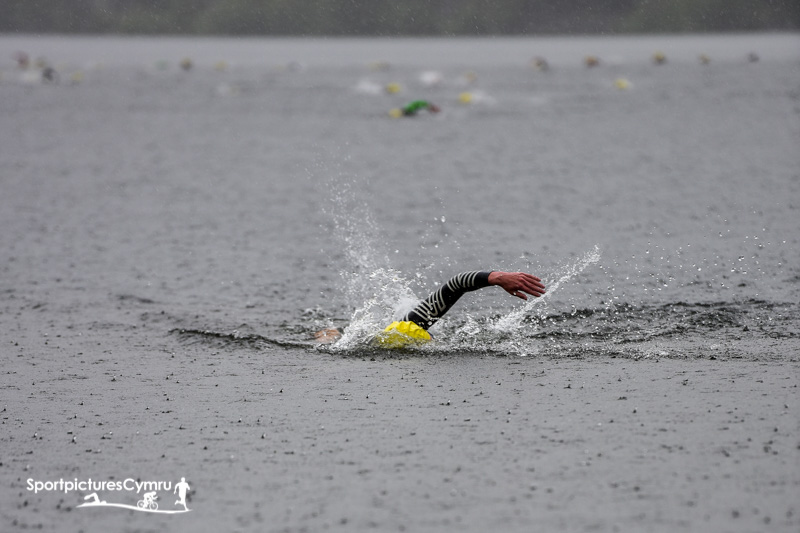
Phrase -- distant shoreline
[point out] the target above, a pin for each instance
(429, 52)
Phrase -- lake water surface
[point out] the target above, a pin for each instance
(266, 192)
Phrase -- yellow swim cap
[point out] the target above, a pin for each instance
(401, 335)
(396, 113)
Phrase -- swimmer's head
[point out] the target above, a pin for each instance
(433, 108)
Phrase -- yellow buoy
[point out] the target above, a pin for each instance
(396, 113)
(465, 98)
(622, 84)
(392, 88)
(379, 65)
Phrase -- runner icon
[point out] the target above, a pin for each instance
(181, 488)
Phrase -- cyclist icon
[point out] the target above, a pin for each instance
(148, 502)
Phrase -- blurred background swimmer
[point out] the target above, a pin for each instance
(413, 327)
(413, 108)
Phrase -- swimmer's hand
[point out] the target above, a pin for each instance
(327, 335)
(518, 283)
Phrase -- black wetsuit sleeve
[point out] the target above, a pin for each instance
(432, 308)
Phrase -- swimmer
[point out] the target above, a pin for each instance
(418, 105)
(413, 327)
(23, 61)
(49, 75)
(540, 63)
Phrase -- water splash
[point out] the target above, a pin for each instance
(518, 331)
(390, 298)
(512, 333)
(378, 293)
(513, 320)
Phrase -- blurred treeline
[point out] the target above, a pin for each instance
(395, 17)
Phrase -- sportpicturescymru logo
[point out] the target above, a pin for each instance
(146, 493)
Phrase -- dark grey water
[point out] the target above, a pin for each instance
(260, 199)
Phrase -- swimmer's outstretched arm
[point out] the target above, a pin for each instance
(432, 308)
